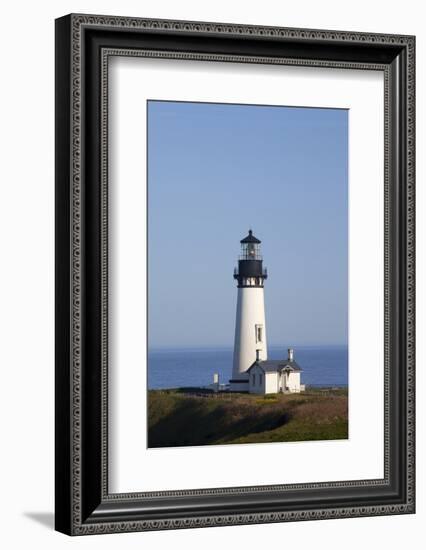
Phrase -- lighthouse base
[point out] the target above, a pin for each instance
(239, 385)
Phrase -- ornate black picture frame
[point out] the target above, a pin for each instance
(83, 45)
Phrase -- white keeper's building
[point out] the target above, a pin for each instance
(252, 370)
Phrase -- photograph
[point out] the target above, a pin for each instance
(247, 292)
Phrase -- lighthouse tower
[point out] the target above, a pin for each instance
(250, 329)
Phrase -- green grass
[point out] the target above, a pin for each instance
(197, 417)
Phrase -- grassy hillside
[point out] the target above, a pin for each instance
(190, 417)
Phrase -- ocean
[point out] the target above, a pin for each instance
(169, 368)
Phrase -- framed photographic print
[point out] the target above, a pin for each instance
(234, 274)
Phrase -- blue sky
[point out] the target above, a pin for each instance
(216, 170)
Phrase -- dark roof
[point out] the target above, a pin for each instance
(250, 238)
(274, 365)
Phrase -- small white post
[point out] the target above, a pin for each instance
(216, 382)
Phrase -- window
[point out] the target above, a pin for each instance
(260, 379)
(253, 379)
(259, 333)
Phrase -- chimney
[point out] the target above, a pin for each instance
(290, 355)
(257, 355)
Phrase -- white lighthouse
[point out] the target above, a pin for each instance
(250, 328)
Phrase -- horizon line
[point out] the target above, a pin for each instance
(231, 346)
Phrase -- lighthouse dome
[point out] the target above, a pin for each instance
(250, 239)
